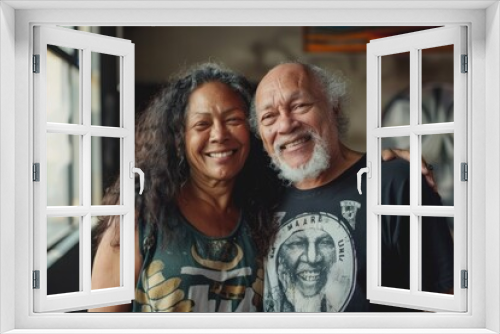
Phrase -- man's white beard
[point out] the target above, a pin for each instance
(318, 163)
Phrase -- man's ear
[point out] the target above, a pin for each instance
(335, 111)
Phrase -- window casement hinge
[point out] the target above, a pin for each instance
(36, 279)
(465, 64)
(36, 172)
(464, 172)
(36, 63)
(465, 279)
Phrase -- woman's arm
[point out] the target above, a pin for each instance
(106, 269)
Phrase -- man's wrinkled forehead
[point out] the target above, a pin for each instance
(282, 83)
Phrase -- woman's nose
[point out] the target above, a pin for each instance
(219, 132)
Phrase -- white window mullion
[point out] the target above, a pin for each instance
(86, 162)
(373, 193)
(127, 119)
(415, 105)
(414, 254)
(124, 173)
(377, 220)
(85, 254)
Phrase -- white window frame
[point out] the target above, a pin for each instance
(414, 43)
(483, 21)
(85, 43)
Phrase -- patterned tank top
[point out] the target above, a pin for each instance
(196, 273)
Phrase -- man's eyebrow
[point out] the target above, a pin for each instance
(267, 106)
(293, 96)
(296, 95)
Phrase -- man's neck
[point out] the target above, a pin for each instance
(340, 161)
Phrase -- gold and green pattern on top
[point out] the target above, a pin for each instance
(162, 295)
(196, 273)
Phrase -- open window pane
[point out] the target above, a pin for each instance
(105, 90)
(115, 243)
(403, 192)
(395, 241)
(63, 245)
(105, 170)
(395, 98)
(438, 152)
(437, 254)
(63, 85)
(437, 84)
(63, 169)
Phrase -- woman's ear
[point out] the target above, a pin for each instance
(177, 148)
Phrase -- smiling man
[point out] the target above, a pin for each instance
(318, 262)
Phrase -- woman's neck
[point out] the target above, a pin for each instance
(215, 195)
(209, 207)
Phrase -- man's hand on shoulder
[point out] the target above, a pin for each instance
(390, 154)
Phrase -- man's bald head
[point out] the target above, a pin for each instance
(333, 87)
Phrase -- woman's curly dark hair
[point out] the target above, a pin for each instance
(161, 154)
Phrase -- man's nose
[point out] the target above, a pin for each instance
(286, 123)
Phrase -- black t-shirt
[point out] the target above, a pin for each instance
(318, 260)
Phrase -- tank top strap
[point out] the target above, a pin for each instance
(147, 240)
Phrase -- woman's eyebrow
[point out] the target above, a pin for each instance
(224, 112)
(232, 109)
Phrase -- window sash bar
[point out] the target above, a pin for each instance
(419, 129)
(93, 210)
(418, 210)
(81, 130)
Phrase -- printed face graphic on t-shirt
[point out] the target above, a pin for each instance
(305, 260)
(312, 266)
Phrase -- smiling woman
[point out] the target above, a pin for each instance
(201, 230)
(217, 135)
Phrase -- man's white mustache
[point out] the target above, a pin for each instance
(286, 141)
(319, 161)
